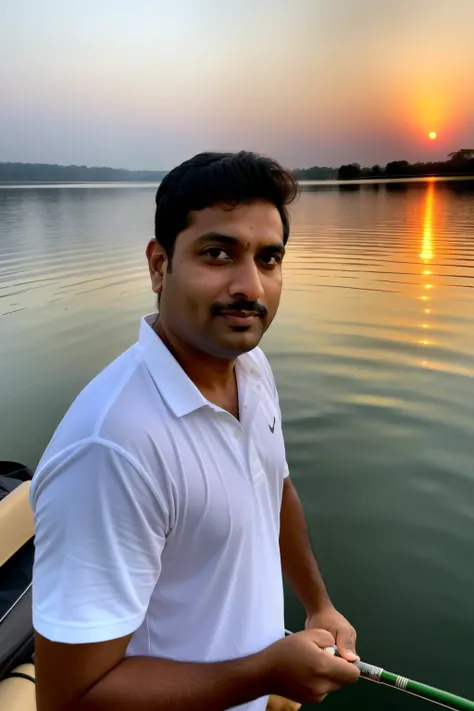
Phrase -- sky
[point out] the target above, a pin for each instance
(145, 84)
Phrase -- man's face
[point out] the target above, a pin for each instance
(224, 287)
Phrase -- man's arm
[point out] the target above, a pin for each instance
(97, 677)
(300, 567)
(298, 561)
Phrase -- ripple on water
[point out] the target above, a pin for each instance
(372, 351)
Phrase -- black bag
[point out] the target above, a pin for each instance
(16, 625)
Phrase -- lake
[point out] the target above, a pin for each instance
(372, 350)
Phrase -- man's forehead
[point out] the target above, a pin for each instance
(256, 219)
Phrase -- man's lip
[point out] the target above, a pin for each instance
(240, 315)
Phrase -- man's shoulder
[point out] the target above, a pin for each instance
(112, 406)
(115, 424)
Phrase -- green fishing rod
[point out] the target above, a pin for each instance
(402, 683)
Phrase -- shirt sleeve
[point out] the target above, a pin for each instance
(99, 534)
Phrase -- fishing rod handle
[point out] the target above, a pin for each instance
(368, 671)
(422, 691)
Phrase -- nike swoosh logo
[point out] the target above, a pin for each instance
(272, 427)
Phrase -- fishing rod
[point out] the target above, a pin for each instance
(402, 683)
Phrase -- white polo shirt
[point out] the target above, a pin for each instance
(157, 513)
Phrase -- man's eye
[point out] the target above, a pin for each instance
(271, 260)
(217, 253)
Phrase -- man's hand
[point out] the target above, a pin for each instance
(328, 618)
(297, 667)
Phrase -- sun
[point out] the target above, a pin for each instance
(432, 135)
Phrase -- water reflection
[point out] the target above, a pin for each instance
(427, 245)
(427, 255)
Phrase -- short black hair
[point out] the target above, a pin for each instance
(210, 177)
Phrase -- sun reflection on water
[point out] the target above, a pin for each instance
(427, 255)
(427, 244)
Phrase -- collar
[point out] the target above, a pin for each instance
(176, 388)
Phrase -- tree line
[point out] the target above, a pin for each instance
(44, 172)
(459, 163)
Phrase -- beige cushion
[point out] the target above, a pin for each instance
(16, 522)
(275, 703)
(18, 694)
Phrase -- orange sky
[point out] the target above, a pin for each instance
(146, 83)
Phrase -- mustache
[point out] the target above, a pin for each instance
(220, 308)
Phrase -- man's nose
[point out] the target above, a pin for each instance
(246, 282)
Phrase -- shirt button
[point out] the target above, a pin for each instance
(236, 434)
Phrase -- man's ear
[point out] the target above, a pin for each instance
(157, 264)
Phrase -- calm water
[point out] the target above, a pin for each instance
(373, 353)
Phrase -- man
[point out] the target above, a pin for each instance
(163, 507)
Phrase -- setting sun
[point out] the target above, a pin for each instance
(432, 135)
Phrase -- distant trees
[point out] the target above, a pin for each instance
(461, 156)
(44, 172)
(349, 172)
(459, 162)
(397, 167)
(315, 173)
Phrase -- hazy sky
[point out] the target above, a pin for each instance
(147, 83)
